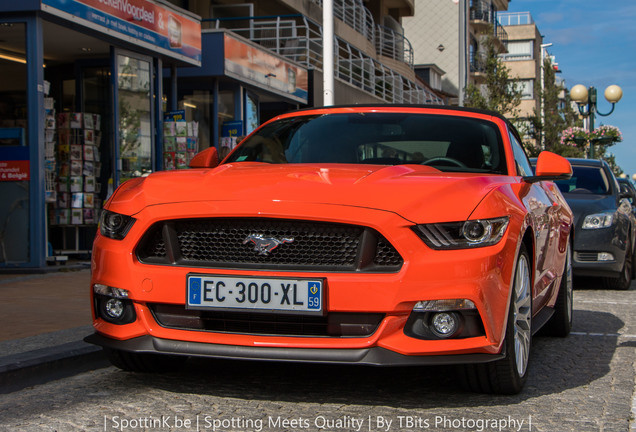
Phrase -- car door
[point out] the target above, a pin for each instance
(544, 204)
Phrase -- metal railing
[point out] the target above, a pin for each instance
(478, 62)
(392, 44)
(514, 18)
(355, 15)
(482, 10)
(292, 36)
(300, 39)
(501, 34)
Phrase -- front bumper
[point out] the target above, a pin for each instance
(481, 275)
(587, 246)
(375, 356)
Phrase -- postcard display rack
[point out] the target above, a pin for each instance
(77, 167)
(180, 141)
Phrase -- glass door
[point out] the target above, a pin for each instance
(134, 115)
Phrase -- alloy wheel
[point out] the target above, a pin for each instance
(522, 315)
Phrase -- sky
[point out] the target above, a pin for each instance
(594, 43)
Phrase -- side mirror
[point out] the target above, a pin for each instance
(550, 166)
(208, 158)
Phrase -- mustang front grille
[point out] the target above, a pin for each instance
(267, 244)
(331, 325)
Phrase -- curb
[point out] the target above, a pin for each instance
(18, 371)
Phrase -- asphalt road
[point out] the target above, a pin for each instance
(582, 383)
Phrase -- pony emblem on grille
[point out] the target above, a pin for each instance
(264, 245)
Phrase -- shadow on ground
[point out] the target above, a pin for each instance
(556, 365)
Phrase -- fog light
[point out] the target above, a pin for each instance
(444, 324)
(605, 256)
(114, 308)
(113, 305)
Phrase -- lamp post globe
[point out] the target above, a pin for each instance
(578, 94)
(634, 177)
(613, 93)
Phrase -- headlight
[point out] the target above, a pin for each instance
(114, 225)
(461, 235)
(598, 220)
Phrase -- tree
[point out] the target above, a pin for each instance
(557, 117)
(611, 161)
(499, 92)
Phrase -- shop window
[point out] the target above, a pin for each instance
(14, 184)
(226, 116)
(68, 96)
(251, 114)
(187, 130)
(198, 110)
(135, 116)
(226, 105)
(13, 86)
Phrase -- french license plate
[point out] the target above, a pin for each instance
(249, 293)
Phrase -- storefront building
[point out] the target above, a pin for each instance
(81, 110)
(239, 85)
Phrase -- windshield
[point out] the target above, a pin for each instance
(448, 143)
(585, 180)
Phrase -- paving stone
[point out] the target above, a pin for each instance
(581, 383)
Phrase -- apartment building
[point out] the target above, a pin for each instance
(373, 59)
(450, 35)
(524, 58)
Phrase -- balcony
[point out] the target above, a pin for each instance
(391, 44)
(484, 16)
(355, 15)
(483, 11)
(299, 38)
(478, 65)
(514, 18)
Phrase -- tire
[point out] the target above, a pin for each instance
(560, 323)
(508, 375)
(633, 265)
(144, 362)
(624, 280)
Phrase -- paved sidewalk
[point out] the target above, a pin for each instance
(42, 303)
(43, 320)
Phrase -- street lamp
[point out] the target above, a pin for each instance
(586, 103)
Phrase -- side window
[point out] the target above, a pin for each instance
(523, 164)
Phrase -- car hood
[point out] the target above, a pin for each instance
(417, 193)
(587, 204)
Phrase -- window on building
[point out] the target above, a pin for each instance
(526, 86)
(525, 127)
(519, 50)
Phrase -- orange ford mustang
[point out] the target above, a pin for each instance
(381, 235)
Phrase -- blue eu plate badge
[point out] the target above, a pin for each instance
(194, 291)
